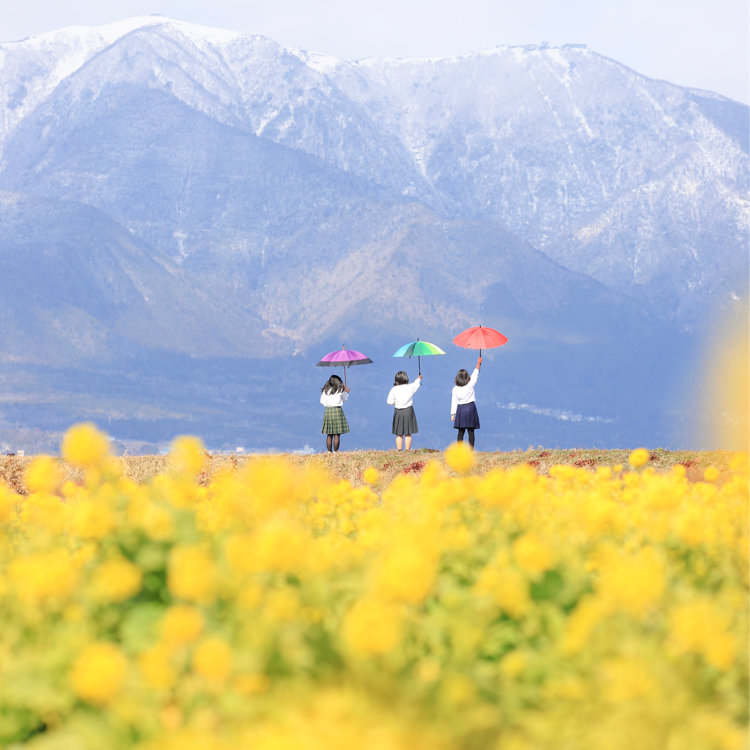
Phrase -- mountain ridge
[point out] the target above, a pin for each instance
(290, 201)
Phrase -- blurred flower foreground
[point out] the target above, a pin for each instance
(280, 609)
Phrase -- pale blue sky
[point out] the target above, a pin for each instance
(700, 43)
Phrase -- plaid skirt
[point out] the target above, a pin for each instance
(466, 417)
(334, 421)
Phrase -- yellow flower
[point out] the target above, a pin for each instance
(532, 555)
(514, 664)
(156, 667)
(252, 684)
(212, 660)
(181, 624)
(638, 458)
(115, 580)
(191, 574)
(711, 474)
(703, 628)
(282, 605)
(635, 582)
(626, 680)
(43, 474)
(84, 445)
(156, 521)
(581, 623)
(460, 457)
(276, 545)
(372, 627)
(371, 475)
(98, 673)
(7, 503)
(405, 573)
(506, 587)
(458, 690)
(92, 519)
(187, 456)
(44, 575)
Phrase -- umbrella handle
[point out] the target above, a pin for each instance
(419, 364)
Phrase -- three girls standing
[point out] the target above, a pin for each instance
(463, 408)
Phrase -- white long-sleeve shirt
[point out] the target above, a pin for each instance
(333, 399)
(401, 396)
(464, 394)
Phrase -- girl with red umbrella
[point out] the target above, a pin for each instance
(463, 405)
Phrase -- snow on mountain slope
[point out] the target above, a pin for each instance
(242, 80)
(555, 142)
(639, 183)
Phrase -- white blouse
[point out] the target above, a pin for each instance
(400, 396)
(333, 399)
(464, 394)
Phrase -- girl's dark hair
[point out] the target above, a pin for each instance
(334, 384)
(401, 378)
(462, 377)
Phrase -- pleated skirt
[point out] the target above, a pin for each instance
(405, 421)
(334, 421)
(466, 417)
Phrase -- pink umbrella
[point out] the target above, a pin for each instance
(344, 358)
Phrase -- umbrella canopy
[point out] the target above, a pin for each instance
(480, 338)
(344, 358)
(418, 349)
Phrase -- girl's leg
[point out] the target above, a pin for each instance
(336, 441)
(329, 442)
(471, 436)
(399, 442)
(460, 436)
(407, 442)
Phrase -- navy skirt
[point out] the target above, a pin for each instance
(404, 421)
(466, 417)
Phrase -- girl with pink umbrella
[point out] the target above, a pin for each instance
(334, 392)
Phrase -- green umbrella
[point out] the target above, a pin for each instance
(418, 349)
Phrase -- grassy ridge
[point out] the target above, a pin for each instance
(349, 465)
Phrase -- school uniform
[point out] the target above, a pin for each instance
(334, 419)
(463, 404)
(404, 418)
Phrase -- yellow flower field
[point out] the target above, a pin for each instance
(278, 608)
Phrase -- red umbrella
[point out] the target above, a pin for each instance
(480, 338)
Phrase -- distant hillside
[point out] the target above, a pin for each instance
(184, 209)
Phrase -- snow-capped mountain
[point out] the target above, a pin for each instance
(638, 183)
(275, 200)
